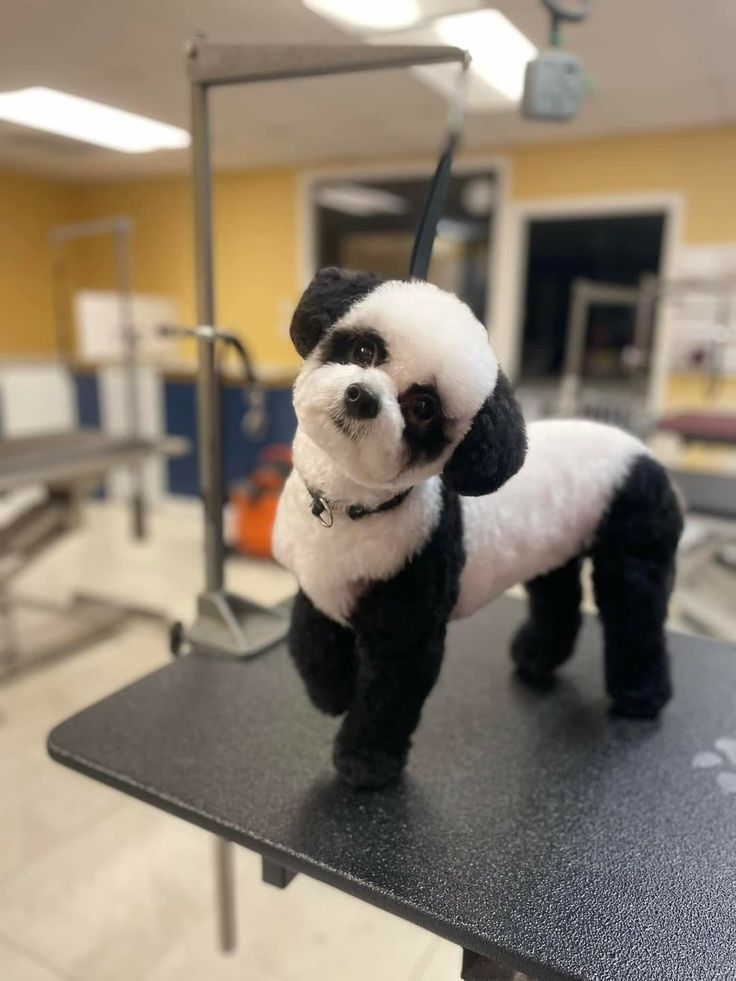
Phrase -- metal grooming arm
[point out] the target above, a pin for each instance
(586, 293)
(120, 227)
(645, 300)
(228, 624)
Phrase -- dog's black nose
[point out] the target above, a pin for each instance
(361, 402)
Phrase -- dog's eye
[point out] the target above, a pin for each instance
(423, 409)
(364, 352)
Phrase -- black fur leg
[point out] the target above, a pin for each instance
(373, 743)
(633, 575)
(547, 639)
(400, 627)
(324, 653)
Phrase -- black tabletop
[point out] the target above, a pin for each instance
(530, 828)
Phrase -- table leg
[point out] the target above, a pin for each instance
(225, 887)
(276, 875)
(478, 968)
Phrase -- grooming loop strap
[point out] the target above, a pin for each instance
(421, 253)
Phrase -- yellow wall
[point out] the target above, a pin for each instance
(256, 227)
(255, 236)
(161, 239)
(700, 164)
(28, 208)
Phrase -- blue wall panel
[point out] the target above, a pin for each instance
(240, 452)
(89, 415)
(180, 409)
(87, 391)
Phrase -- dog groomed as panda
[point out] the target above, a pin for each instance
(418, 495)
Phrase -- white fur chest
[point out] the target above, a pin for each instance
(334, 565)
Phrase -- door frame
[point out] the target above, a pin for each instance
(514, 247)
(415, 168)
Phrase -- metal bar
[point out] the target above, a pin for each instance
(223, 64)
(131, 368)
(121, 227)
(696, 286)
(586, 293)
(611, 293)
(225, 886)
(64, 336)
(86, 229)
(233, 64)
(645, 312)
(576, 324)
(208, 386)
(72, 463)
(9, 642)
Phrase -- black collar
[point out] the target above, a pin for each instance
(324, 510)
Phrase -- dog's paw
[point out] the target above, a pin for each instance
(641, 705)
(528, 666)
(368, 769)
(332, 701)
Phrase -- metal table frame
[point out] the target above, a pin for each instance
(68, 466)
(121, 228)
(646, 298)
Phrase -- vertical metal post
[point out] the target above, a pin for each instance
(644, 313)
(225, 885)
(64, 338)
(577, 322)
(209, 424)
(208, 387)
(130, 368)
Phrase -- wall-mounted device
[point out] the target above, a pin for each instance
(554, 80)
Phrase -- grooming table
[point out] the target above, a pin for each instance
(701, 427)
(75, 458)
(705, 492)
(532, 830)
(43, 480)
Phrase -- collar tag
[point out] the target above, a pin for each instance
(322, 511)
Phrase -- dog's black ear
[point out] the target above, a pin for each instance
(493, 448)
(330, 295)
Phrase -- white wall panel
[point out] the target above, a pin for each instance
(36, 397)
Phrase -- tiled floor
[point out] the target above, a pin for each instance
(97, 887)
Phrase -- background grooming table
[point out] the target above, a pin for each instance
(43, 483)
(532, 830)
(76, 459)
(701, 427)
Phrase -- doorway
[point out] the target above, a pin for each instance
(613, 249)
(362, 220)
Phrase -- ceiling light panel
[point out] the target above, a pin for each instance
(499, 50)
(376, 15)
(360, 200)
(91, 122)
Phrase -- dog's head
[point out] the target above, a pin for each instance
(400, 383)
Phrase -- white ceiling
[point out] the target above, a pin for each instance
(657, 64)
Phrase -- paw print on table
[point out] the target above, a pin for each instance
(724, 758)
